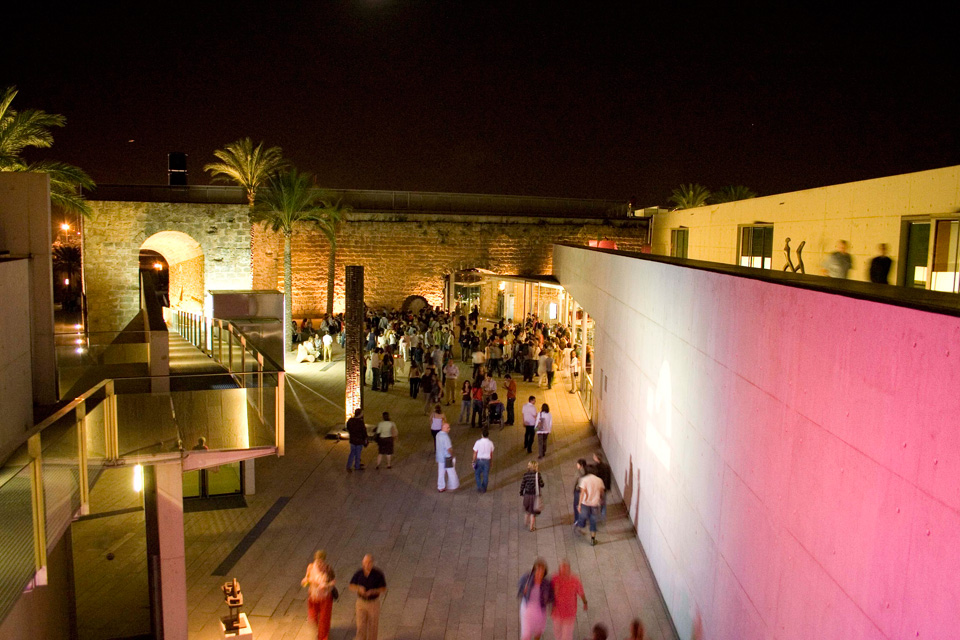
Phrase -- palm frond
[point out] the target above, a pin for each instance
(688, 196)
(22, 129)
(288, 200)
(66, 185)
(246, 165)
(732, 194)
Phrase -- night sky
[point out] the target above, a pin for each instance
(513, 98)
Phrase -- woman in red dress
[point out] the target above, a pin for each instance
(320, 580)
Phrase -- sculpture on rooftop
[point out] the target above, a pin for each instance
(790, 266)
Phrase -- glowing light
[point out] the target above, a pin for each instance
(77, 326)
(66, 281)
(65, 226)
(80, 350)
(553, 310)
(138, 478)
(78, 341)
(503, 285)
(158, 266)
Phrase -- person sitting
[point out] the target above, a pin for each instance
(495, 410)
(306, 352)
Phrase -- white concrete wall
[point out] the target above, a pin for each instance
(791, 458)
(864, 213)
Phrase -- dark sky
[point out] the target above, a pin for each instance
(519, 98)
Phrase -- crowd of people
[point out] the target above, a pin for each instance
(424, 346)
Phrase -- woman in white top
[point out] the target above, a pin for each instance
(321, 581)
(436, 421)
(544, 425)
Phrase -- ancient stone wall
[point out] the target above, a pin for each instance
(186, 285)
(113, 235)
(409, 254)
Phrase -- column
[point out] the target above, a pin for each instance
(583, 350)
(166, 565)
(353, 319)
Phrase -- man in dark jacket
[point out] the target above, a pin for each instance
(601, 469)
(358, 439)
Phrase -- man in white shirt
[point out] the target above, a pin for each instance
(482, 456)
(591, 496)
(529, 412)
(328, 347)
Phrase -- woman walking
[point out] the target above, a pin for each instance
(530, 486)
(544, 426)
(414, 380)
(465, 402)
(386, 434)
(535, 593)
(321, 582)
(436, 421)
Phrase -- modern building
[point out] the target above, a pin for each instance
(917, 215)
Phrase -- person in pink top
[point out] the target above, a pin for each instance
(566, 589)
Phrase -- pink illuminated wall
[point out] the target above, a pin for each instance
(791, 458)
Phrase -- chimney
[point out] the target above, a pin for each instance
(177, 169)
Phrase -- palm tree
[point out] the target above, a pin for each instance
(66, 260)
(20, 130)
(733, 193)
(246, 165)
(289, 200)
(688, 196)
(334, 214)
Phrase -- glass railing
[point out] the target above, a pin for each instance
(18, 561)
(83, 359)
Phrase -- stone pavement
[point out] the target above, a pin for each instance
(451, 560)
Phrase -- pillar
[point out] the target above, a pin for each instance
(583, 350)
(353, 356)
(166, 565)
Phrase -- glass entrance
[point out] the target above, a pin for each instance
(917, 255)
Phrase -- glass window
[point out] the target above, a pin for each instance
(678, 242)
(756, 246)
(945, 275)
(918, 247)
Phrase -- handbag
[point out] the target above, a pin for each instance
(538, 501)
(448, 463)
(335, 594)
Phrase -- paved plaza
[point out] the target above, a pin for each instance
(451, 560)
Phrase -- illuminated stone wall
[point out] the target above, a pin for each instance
(186, 285)
(114, 234)
(409, 254)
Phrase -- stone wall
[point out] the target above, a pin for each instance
(114, 234)
(409, 254)
(186, 285)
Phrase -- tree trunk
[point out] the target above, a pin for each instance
(331, 276)
(287, 293)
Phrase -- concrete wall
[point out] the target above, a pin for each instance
(407, 255)
(16, 389)
(113, 236)
(864, 213)
(791, 458)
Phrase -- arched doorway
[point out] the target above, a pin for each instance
(177, 262)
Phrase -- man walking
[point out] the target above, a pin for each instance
(482, 457)
(602, 470)
(446, 471)
(591, 495)
(529, 412)
(550, 370)
(358, 439)
(369, 584)
(566, 589)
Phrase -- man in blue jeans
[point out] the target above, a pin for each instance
(482, 456)
(358, 439)
(591, 495)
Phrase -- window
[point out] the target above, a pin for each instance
(945, 275)
(756, 246)
(916, 251)
(678, 242)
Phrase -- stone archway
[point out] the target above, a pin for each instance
(185, 260)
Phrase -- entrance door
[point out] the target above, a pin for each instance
(917, 254)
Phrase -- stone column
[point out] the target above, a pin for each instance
(166, 565)
(353, 321)
(583, 351)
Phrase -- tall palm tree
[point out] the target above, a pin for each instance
(688, 196)
(248, 166)
(289, 200)
(335, 212)
(67, 260)
(733, 193)
(21, 130)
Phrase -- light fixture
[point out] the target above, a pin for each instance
(80, 350)
(158, 266)
(77, 326)
(65, 226)
(503, 285)
(138, 478)
(66, 281)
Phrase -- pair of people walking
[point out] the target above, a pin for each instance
(536, 424)
(368, 583)
(536, 592)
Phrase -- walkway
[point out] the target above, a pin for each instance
(452, 560)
